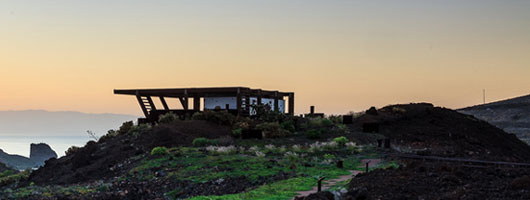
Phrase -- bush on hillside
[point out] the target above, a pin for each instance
(288, 125)
(159, 151)
(341, 140)
(71, 150)
(218, 117)
(336, 119)
(237, 132)
(167, 118)
(313, 134)
(202, 142)
(272, 130)
(135, 131)
(126, 127)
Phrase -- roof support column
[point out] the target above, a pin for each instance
(291, 103)
(276, 107)
(164, 103)
(259, 97)
(144, 109)
(197, 103)
(238, 101)
(186, 98)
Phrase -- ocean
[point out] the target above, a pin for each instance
(21, 144)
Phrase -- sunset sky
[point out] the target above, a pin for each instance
(337, 55)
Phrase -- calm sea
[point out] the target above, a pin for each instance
(21, 144)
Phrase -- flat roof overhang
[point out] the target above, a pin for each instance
(202, 92)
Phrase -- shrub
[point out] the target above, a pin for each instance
(222, 150)
(260, 154)
(218, 117)
(159, 151)
(341, 140)
(291, 156)
(135, 131)
(296, 148)
(223, 141)
(329, 157)
(110, 134)
(313, 134)
(167, 118)
(237, 132)
(341, 128)
(242, 125)
(270, 148)
(329, 146)
(71, 150)
(288, 125)
(253, 149)
(270, 129)
(202, 142)
(351, 146)
(336, 119)
(326, 122)
(125, 127)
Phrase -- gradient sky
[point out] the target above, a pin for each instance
(337, 55)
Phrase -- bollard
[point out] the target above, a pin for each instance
(320, 184)
(340, 164)
(367, 163)
(387, 143)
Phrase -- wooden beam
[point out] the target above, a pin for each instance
(164, 103)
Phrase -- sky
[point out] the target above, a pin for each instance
(340, 56)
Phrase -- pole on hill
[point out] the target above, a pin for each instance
(484, 95)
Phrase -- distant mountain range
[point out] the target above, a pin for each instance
(67, 123)
(511, 115)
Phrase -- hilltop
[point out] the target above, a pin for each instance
(511, 115)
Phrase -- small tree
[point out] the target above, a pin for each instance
(341, 140)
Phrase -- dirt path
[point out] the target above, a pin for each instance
(332, 182)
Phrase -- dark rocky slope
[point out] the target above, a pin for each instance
(425, 129)
(111, 156)
(428, 130)
(511, 115)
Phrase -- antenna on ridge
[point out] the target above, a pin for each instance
(484, 95)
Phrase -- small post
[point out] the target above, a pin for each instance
(367, 163)
(340, 164)
(320, 184)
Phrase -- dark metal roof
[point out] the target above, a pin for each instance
(200, 92)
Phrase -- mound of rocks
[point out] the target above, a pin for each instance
(428, 130)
